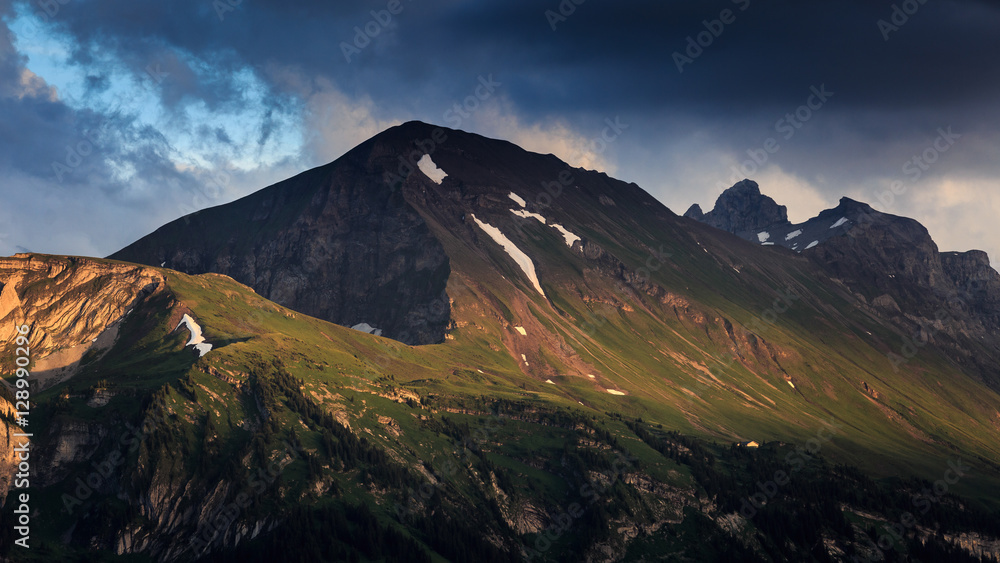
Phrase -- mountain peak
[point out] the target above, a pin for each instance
(743, 210)
(695, 212)
(847, 204)
(744, 186)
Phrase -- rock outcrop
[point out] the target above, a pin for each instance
(950, 299)
(977, 283)
(337, 242)
(8, 442)
(71, 304)
(67, 301)
(742, 210)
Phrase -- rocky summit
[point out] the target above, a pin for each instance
(891, 264)
(742, 210)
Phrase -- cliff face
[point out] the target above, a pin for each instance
(976, 281)
(742, 210)
(950, 299)
(336, 242)
(8, 457)
(67, 302)
(73, 305)
(886, 254)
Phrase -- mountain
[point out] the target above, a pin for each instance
(564, 371)
(335, 242)
(743, 210)
(893, 266)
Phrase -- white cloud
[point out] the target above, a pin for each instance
(499, 119)
(960, 213)
(333, 122)
(803, 199)
(31, 85)
(695, 170)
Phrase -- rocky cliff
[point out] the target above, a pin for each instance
(8, 457)
(337, 242)
(742, 210)
(975, 281)
(950, 300)
(72, 305)
(67, 301)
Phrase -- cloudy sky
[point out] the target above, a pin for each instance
(119, 115)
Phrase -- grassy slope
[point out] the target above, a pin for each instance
(361, 376)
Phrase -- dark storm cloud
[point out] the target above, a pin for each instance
(603, 53)
(894, 86)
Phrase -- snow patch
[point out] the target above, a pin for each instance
(513, 251)
(792, 384)
(613, 392)
(763, 236)
(812, 244)
(793, 234)
(570, 237)
(521, 330)
(550, 382)
(368, 329)
(196, 340)
(517, 199)
(525, 358)
(591, 376)
(524, 213)
(839, 222)
(430, 169)
(768, 244)
(162, 264)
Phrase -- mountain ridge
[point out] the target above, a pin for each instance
(651, 344)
